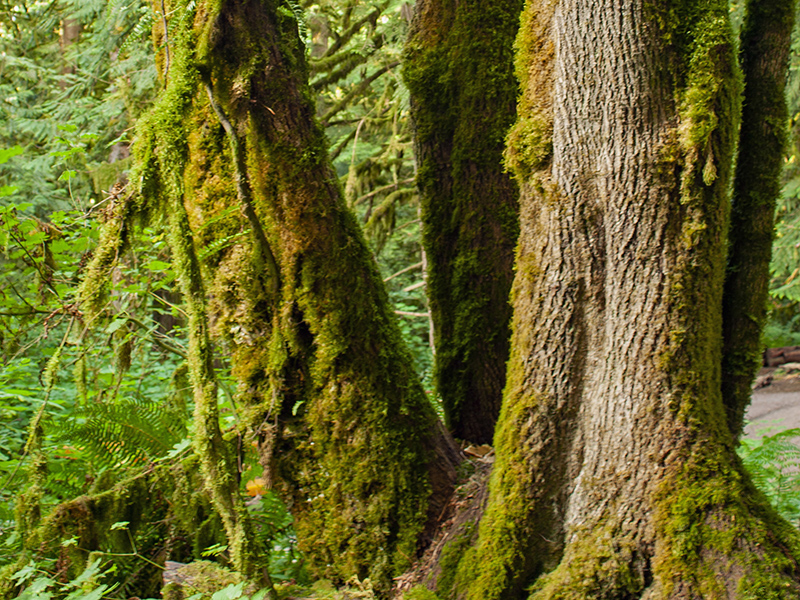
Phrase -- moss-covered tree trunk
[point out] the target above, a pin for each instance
(274, 267)
(616, 474)
(459, 69)
(764, 52)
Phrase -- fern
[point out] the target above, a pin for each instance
(220, 244)
(127, 432)
(774, 466)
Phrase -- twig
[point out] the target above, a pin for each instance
(402, 271)
(380, 190)
(412, 314)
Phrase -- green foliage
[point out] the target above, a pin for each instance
(128, 432)
(38, 585)
(773, 461)
(783, 327)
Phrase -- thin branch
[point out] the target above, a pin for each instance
(403, 271)
(177, 350)
(342, 145)
(380, 190)
(352, 30)
(345, 102)
(412, 314)
(414, 286)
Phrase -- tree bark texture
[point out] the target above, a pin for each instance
(343, 427)
(616, 475)
(764, 55)
(459, 70)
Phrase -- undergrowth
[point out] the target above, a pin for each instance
(773, 461)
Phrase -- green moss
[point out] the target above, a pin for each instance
(529, 142)
(449, 559)
(598, 567)
(504, 557)
(420, 593)
(716, 530)
(201, 579)
(459, 69)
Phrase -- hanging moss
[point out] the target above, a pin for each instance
(325, 358)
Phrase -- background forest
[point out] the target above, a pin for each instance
(87, 402)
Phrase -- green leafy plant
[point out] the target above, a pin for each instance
(773, 462)
(38, 585)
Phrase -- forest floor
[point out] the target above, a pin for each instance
(776, 401)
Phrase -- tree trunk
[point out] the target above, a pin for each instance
(764, 54)
(342, 424)
(459, 69)
(616, 475)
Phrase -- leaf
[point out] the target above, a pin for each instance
(115, 325)
(8, 153)
(232, 592)
(179, 447)
(90, 572)
(67, 175)
(157, 265)
(24, 573)
(95, 594)
(7, 190)
(120, 525)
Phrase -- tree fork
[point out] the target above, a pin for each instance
(764, 55)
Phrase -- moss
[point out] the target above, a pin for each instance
(161, 158)
(718, 534)
(505, 557)
(420, 593)
(598, 567)
(200, 579)
(529, 142)
(306, 355)
(308, 351)
(459, 69)
(451, 555)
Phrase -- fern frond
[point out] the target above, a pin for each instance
(220, 244)
(129, 432)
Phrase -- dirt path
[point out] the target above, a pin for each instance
(776, 406)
